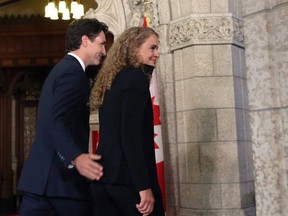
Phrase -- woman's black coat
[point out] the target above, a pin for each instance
(127, 132)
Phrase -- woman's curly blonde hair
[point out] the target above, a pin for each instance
(123, 53)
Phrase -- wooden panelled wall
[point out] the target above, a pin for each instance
(33, 41)
(26, 43)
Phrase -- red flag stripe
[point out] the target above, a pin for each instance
(145, 22)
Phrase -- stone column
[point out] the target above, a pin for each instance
(205, 109)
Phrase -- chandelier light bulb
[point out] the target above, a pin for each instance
(76, 15)
(76, 8)
(81, 9)
(47, 12)
(61, 6)
(66, 14)
(51, 4)
(54, 14)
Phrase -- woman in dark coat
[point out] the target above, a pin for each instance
(129, 186)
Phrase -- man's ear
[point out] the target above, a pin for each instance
(84, 40)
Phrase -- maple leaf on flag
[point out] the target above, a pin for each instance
(155, 144)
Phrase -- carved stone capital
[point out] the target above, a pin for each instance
(206, 29)
(140, 8)
(122, 14)
(110, 12)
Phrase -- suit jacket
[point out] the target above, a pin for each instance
(62, 134)
(127, 132)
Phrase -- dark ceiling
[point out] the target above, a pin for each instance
(7, 2)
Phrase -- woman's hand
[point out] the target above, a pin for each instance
(146, 204)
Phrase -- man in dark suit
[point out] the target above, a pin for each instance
(55, 177)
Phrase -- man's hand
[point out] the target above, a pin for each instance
(146, 204)
(88, 167)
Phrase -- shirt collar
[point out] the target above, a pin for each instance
(79, 59)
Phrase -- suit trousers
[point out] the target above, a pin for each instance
(35, 205)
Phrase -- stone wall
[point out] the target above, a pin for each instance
(266, 42)
(205, 109)
(220, 96)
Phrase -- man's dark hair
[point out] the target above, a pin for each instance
(76, 29)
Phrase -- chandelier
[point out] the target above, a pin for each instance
(52, 9)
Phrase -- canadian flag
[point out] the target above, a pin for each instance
(158, 144)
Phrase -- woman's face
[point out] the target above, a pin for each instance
(148, 51)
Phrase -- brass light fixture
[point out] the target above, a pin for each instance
(54, 8)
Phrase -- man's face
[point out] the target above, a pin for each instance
(96, 49)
